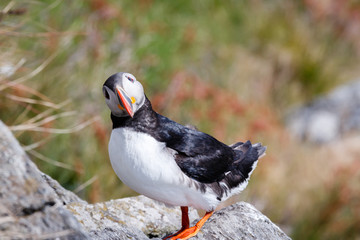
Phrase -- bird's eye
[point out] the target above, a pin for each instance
(106, 94)
(130, 79)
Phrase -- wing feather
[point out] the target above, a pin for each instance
(199, 155)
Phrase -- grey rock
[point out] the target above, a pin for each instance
(323, 126)
(240, 221)
(30, 208)
(154, 219)
(328, 117)
(118, 233)
(63, 195)
(34, 206)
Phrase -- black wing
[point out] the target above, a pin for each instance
(199, 155)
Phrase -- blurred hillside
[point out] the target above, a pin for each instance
(232, 68)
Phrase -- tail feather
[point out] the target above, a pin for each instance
(236, 180)
(241, 148)
(247, 155)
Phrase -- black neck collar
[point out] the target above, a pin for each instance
(144, 117)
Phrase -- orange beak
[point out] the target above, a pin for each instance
(125, 101)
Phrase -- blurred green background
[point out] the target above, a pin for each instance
(232, 68)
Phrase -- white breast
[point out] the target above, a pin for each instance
(148, 167)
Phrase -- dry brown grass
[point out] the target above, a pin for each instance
(296, 182)
(234, 82)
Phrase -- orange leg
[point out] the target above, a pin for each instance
(190, 232)
(185, 223)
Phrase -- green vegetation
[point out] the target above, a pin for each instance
(232, 68)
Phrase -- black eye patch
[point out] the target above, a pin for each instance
(106, 94)
(130, 79)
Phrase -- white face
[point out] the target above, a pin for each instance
(123, 94)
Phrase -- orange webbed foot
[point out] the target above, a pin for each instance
(184, 222)
(190, 232)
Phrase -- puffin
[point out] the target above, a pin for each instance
(169, 162)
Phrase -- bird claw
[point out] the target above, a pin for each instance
(186, 233)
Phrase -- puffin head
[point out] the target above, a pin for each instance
(123, 94)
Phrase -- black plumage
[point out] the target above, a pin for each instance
(199, 155)
(209, 172)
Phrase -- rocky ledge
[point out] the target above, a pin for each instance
(34, 206)
(328, 117)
